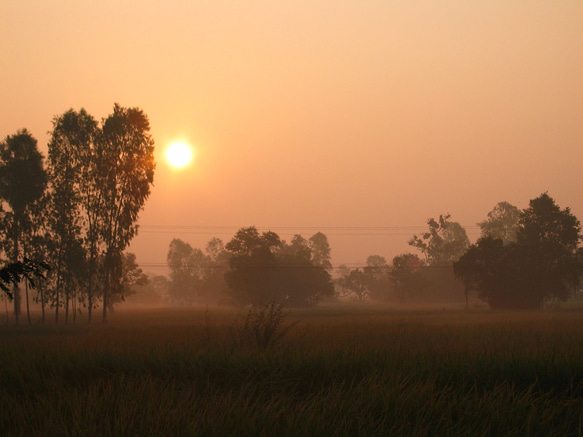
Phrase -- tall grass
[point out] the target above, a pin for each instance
(336, 372)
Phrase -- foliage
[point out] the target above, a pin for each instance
(406, 275)
(22, 182)
(263, 268)
(13, 273)
(502, 222)
(544, 263)
(376, 275)
(320, 250)
(444, 242)
(196, 275)
(125, 171)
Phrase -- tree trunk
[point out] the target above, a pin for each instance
(27, 303)
(15, 259)
(105, 291)
(42, 300)
(6, 307)
(67, 298)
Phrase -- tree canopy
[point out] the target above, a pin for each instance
(264, 268)
(443, 243)
(501, 223)
(544, 263)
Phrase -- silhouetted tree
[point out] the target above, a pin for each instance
(407, 275)
(14, 273)
(377, 277)
(444, 243)
(545, 261)
(22, 182)
(217, 265)
(502, 222)
(301, 280)
(125, 166)
(132, 276)
(187, 271)
(356, 284)
(71, 142)
(264, 269)
(253, 265)
(320, 250)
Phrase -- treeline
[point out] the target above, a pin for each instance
(522, 260)
(76, 211)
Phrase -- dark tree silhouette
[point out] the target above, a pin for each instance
(444, 242)
(22, 182)
(543, 263)
(376, 272)
(265, 269)
(407, 275)
(14, 273)
(124, 174)
(252, 262)
(320, 250)
(301, 280)
(71, 142)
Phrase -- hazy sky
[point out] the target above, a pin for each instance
(357, 118)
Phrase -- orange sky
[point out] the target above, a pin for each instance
(316, 115)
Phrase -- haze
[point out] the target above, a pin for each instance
(360, 119)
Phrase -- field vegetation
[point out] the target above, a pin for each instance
(340, 370)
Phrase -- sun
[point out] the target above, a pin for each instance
(178, 154)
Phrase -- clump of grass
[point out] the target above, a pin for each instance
(263, 326)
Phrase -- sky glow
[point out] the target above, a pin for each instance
(359, 119)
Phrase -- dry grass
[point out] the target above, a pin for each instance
(340, 370)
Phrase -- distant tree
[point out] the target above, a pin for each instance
(502, 222)
(407, 275)
(181, 264)
(376, 272)
(356, 283)
(320, 248)
(301, 281)
(253, 265)
(132, 276)
(22, 182)
(153, 292)
(444, 242)
(265, 269)
(545, 261)
(125, 171)
(217, 256)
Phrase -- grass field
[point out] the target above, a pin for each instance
(338, 371)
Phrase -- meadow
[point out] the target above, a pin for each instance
(337, 370)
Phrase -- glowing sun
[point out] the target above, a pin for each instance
(179, 154)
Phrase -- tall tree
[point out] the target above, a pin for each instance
(501, 223)
(125, 164)
(72, 139)
(22, 182)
